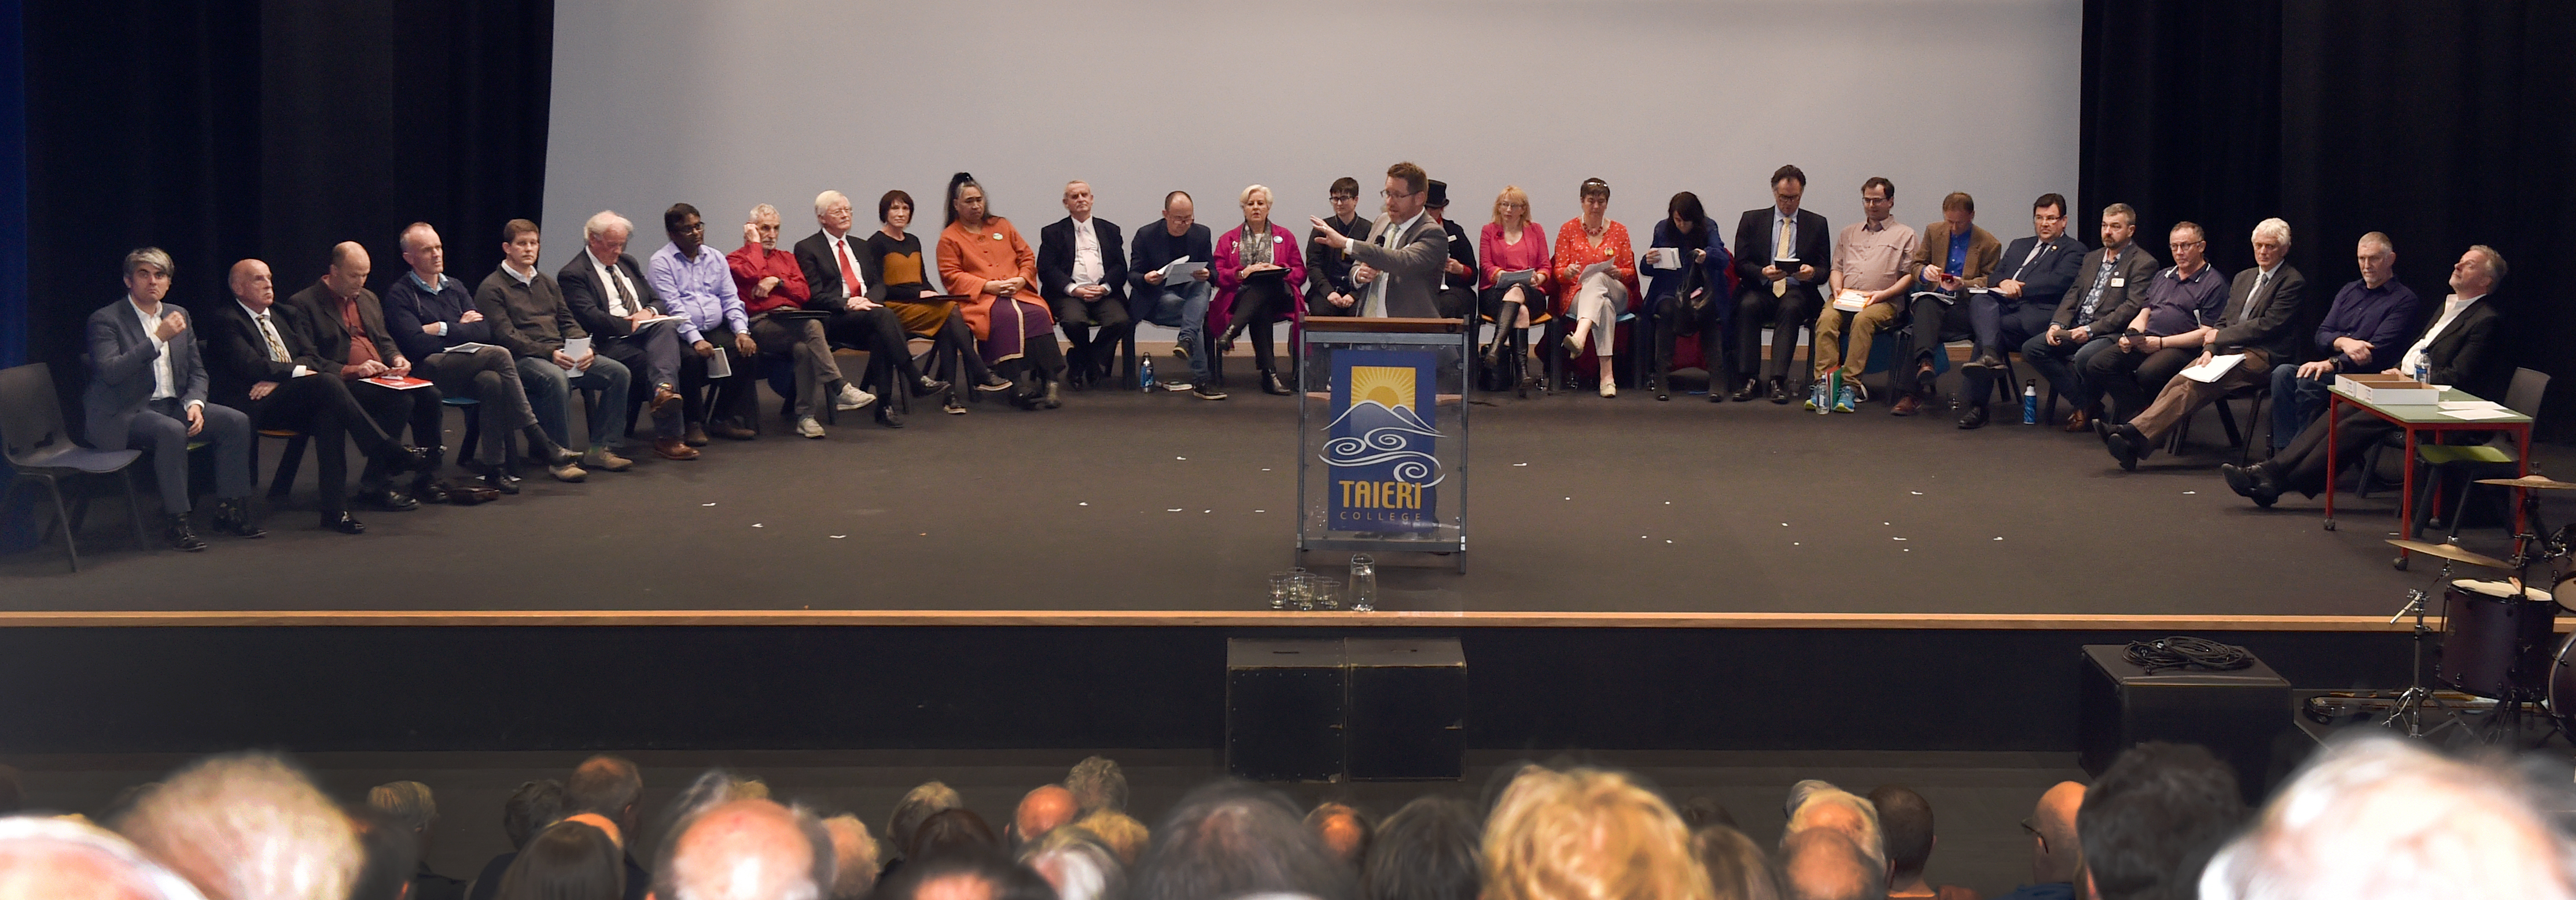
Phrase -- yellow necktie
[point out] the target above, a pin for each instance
(1780, 286)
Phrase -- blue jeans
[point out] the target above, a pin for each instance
(1186, 308)
(2296, 401)
(550, 397)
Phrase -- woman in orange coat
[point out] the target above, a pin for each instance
(984, 259)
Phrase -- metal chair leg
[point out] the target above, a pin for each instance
(71, 541)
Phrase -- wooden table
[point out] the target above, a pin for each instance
(2417, 417)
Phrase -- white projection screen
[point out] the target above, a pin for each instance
(728, 104)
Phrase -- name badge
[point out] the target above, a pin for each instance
(2119, 282)
(997, 235)
(1275, 239)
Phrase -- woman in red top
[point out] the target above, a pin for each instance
(983, 258)
(1259, 275)
(1594, 304)
(1513, 243)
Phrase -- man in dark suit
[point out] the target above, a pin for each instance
(608, 292)
(347, 325)
(2260, 321)
(1082, 272)
(261, 360)
(2034, 275)
(147, 391)
(1788, 298)
(1399, 267)
(2463, 347)
(2110, 287)
(836, 265)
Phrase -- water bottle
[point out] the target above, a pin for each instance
(1363, 584)
(2423, 371)
(1145, 373)
(2030, 402)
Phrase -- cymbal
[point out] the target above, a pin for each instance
(2530, 481)
(2450, 552)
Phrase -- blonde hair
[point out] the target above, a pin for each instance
(1124, 835)
(1512, 193)
(2274, 228)
(1587, 834)
(1247, 194)
(248, 825)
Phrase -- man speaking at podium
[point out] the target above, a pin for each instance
(1398, 266)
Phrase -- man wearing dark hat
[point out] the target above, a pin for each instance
(1457, 290)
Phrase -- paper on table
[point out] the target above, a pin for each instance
(2474, 415)
(2208, 372)
(2469, 404)
(1851, 301)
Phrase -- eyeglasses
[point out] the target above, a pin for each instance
(1337, 198)
(2181, 244)
(2034, 832)
(1392, 194)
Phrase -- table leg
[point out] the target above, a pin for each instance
(2522, 467)
(2334, 408)
(2406, 501)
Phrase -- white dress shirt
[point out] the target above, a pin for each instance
(1086, 253)
(2452, 307)
(616, 299)
(1375, 306)
(164, 385)
(858, 286)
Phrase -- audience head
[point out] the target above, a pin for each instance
(1256, 205)
(979, 876)
(1959, 209)
(2152, 820)
(2048, 217)
(2119, 224)
(832, 212)
(349, 268)
(1703, 811)
(952, 830)
(895, 209)
(762, 226)
(1230, 839)
(1043, 810)
(2054, 854)
(605, 233)
(535, 805)
(252, 285)
(1077, 865)
(712, 788)
(1826, 864)
(1119, 831)
(389, 853)
(1905, 822)
(1686, 212)
(1406, 184)
(606, 786)
(1343, 829)
(519, 243)
(1077, 199)
(854, 857)
(917, 804)
(1595, 197)
(745, 850)
(147, 274)
(2378, 257)
(1512, 206)
(2479, 270)
(1819, 804)
(966, 200)
(410, 806)
(1737, 867)
(56, 859)
(565, 861)
(1428, 850)
(247, 827)
(1586, 834)
(2190, 245)
(2271, 242)
(1097, 784)
(1788, 185)
(686, 228)
(1877, 198)
(1178, 212)
(422, 250)
(1345, 196)
(2380, 817)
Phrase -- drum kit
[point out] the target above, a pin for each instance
(2499, 639)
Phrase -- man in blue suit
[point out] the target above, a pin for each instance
(2032, 275)
(147, 391)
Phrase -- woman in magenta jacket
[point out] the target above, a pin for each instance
(1249, 295)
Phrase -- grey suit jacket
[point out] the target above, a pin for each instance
(2264, 326)
(1412, 267)
(2118, 304)
(121, 357)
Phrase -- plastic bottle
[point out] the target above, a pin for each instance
(2030, 402)
(1145, 373)
(2423, 371)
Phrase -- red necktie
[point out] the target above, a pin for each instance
(849, 276)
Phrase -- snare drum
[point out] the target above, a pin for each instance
(2495, 644)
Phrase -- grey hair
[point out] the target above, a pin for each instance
(147, 256)
(2377, 817)
(248, 825)
(1807, 796)
(604, 222)
(825, 200)
(2495, 263)
(918, 804)
(408, 802)
(759, 211)
(1077, 863)
(2121, 209)
(1870, 874)
(69, 855)
(402, 238)
(2275, 227)
(1097, 784)
(2381, 240)
(854, 857)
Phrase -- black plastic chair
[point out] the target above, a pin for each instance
(36, 445)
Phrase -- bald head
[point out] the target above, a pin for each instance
(742, 850)
(252, 285)
(1825, 864)
(2054, 854)
(1044, 810)
(854, 857)
(61, 860)
(349, 268)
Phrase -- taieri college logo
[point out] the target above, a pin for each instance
(1382, 469)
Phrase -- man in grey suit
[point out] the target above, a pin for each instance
(2259, 322)
(147, 391)
(1399, 265)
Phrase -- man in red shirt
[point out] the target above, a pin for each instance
(346, 324)
(774, 292)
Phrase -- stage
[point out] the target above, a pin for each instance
(1138, 509)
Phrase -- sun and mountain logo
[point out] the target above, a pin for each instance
(1381, 450)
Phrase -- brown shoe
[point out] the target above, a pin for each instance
(695, 436)
(2078, 422)
(663, 397)
(731, 432)
(1905, 405)
(672, 448)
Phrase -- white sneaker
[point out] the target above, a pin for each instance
(851, 398)
(806, 426)
(1176, 385)
(1609, 387)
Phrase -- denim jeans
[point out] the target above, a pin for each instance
(1186, 308)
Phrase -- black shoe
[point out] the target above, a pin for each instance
(233, 517)
(389, 500)
(993, 383)
(2239, 479)
(427, 491)
(887, 417)
(1270, 384)
(415, 459)
(499, 480)
(1663, 391)
(2117, 441)
(345, 524)
(951, 407)
(2252, 482)
(1744, 393)
(1982, 362)
(1053, 398)
(1780, 391)
(2136, 438)
(1975, 419)
(928, 386)
(181, 536)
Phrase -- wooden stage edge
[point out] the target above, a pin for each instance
(1207, 618)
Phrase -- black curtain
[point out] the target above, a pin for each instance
(224, 129)
(2444, 123)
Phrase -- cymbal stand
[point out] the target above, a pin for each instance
(2410, 705)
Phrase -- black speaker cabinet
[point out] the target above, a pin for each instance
(1334, 709)
(2235, 714)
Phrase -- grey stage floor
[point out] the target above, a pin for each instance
(1127, 501)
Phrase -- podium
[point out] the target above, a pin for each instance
(1382, 436)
